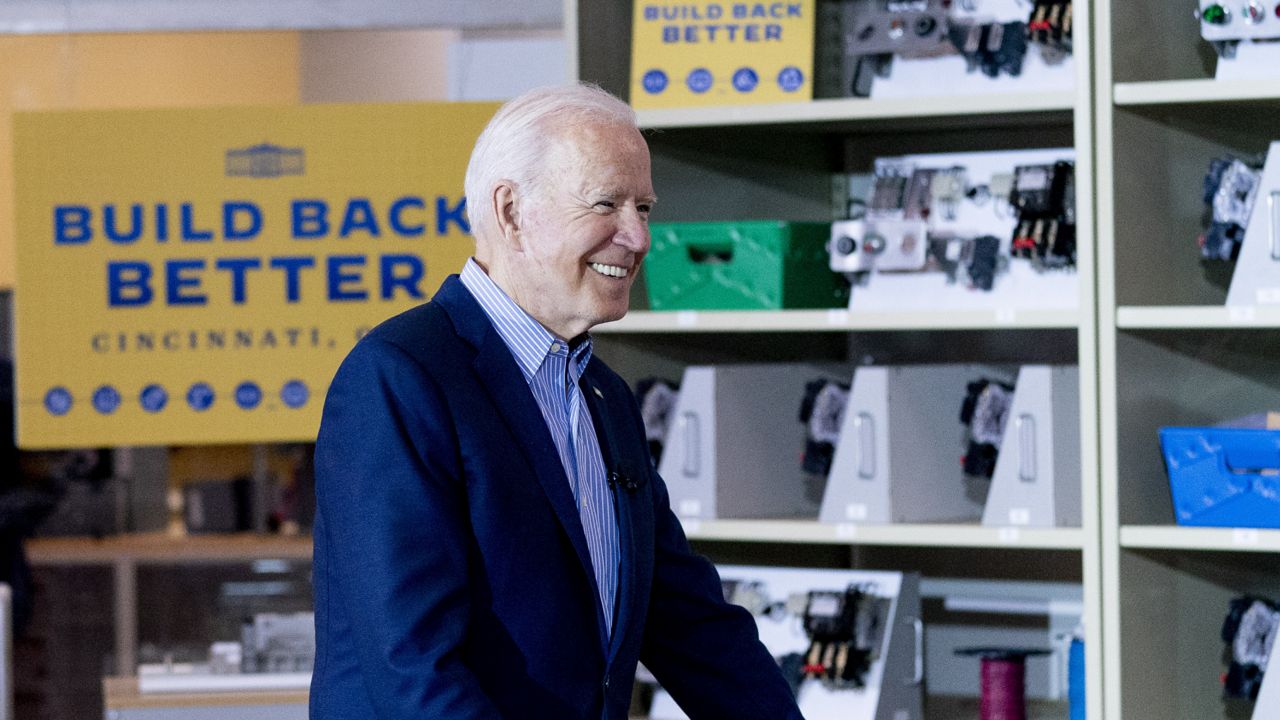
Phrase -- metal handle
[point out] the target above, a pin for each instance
(865, 426)
(917, 626)
(1026, 427)
(1273, 227)
(710, 254)
(692, 443)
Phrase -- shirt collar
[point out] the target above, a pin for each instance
(530, 343)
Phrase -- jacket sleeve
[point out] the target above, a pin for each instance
(392, 505)
(705, 651)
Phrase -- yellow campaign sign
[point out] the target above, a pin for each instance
(686, 54)
(196, 276)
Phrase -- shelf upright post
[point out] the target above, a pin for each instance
(125, 573)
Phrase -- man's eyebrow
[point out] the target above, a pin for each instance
(611, 192)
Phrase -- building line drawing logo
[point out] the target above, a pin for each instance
(265, 160)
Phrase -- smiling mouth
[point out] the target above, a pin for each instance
(614, 271)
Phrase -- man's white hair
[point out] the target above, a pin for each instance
(514, 144)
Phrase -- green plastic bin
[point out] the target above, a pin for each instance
(748, 265)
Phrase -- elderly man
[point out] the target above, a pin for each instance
(491, 540)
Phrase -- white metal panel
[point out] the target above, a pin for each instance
(499, 68)
(75, 16)
(1037, 476)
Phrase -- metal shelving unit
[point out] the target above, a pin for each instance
(1170, 352)
(1197, 317)
(1164, 537)
(126, 553)
(838, 321)
(899, 535)
(1201, 90)
(779, 161)
(845, 112)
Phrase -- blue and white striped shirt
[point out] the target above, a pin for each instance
(552, 371)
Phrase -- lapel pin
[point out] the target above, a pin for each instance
(598, 393)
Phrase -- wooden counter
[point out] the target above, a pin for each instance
(124, 702)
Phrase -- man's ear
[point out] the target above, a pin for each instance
(506, 213)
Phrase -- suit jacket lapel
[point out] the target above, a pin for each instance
(510, 394)
(619, 475)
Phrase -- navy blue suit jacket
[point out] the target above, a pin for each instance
(452, 578)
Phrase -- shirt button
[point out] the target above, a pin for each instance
(555, 347)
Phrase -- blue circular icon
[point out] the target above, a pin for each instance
(654, 82)
(745, 80)
(58, 401)
(790, 78)
(248, 395)
(106, 399)
(200, 396)
(699, 80)
(154, 398)
(295, 393)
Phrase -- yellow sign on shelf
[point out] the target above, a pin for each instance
(196, 276)
(686, 54)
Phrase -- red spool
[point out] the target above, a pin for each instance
(1003, 681)
(1004, 688)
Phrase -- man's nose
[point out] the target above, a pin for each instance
(633, 231)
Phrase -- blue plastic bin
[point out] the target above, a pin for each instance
(1223, 477)
(1076, 680)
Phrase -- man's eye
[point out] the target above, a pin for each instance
(644, 208)
(606, 204)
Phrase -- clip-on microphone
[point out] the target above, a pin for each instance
(623, 480)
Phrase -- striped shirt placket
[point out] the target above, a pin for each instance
(593, 495)
(553, 373)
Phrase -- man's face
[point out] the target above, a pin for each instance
(585, 231)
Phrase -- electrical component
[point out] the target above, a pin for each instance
(858, 246)
(993, 48)
(1249, 631)
(946, 253)
(1214, 14)
(907, 204)
(1220, 26)
(749, 595)
(984, 414)
(982, 261)
(1237, 187)
(656, 398)
(1230, 189)
(906, 28)
(822, 412)
(947, 190)
(845, 630)
(845, 251)
(919, 198)
(973, 261)
(1253, 12)
(874, 32)
(859, 40)
(278, 642)
(889, 192)
(996, 48)
(1043, 196)
(1049, 28)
